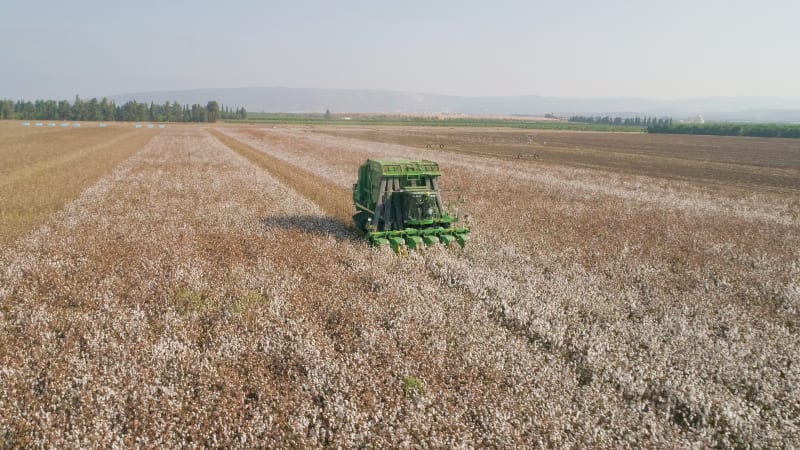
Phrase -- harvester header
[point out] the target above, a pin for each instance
(399, 204)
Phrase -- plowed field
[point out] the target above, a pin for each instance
(210, 291)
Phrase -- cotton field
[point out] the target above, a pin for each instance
(195, 296)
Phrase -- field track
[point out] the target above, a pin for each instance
(209, 291)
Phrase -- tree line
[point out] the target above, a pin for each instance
(107, 110)
(630, 121)
(730, 129)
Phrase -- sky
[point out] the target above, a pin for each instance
(674, 49)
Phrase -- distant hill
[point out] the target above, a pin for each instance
(299, 100)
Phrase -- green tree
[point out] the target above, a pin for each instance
(93, 110)
(50, 108)
(212, 110)
(168, 117)
(107, 109)
(64, 110)
(78, 109)
(198, 114)
(7, 109)
(177, 112)
(142, 111)
(26, 110)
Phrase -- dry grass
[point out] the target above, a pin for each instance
(191, 298)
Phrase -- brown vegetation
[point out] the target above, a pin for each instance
(192, 298)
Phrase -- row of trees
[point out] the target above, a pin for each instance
(729, 129)
(631, 121)
(106, 110)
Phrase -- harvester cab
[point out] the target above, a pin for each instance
(420, 208)
(399, 204)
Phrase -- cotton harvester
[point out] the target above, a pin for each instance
(399, 204)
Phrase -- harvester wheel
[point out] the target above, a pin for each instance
(361, 220)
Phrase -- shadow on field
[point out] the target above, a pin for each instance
(321, 225)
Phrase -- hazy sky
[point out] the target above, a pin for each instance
(665, 49)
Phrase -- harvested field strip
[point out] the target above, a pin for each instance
(10, 135)
(329, 196)
(20, 174)
(24, 150)
(765, 152)
(703, 173)
(29, 195)
(693, 159)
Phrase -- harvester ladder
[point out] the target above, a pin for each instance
(381, 198)
(398, 213)
(388, 206)
(435, 183)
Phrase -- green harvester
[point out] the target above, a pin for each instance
(399, 204)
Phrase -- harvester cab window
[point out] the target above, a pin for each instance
(422, 207)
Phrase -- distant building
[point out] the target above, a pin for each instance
(694, 119)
